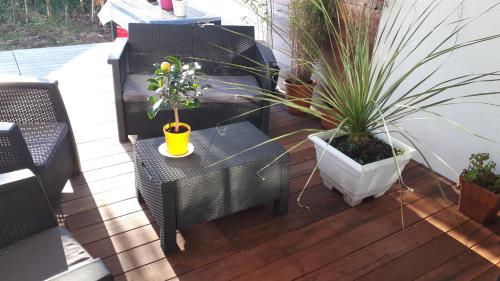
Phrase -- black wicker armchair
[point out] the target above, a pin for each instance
(233, 63)
(35, 133)
(32, 245)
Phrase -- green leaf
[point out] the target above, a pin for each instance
(151, 112)
(175, 61)
(153, 99)
(153, 87)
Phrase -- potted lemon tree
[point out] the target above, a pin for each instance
(175, 87)
(480, 194)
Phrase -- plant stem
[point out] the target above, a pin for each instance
(176, 116)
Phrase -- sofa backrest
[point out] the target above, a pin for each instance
(150, 43)
(219, 49)
(222, 50)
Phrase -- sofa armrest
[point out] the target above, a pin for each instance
(14, 151)
(118, 50)
(24, 208)
(94, 270)
(118, 58)
(264, 53)
(267, 74)
(268, 77)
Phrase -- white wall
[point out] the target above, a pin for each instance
(234, 12)
(452, 144)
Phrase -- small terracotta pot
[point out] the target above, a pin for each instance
(477, 202)
(301, 91)
(328, 122)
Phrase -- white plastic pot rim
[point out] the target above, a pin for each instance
(320, 140)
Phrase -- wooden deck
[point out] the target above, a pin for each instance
(326, 241)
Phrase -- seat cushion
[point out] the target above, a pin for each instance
(42, 255)
(41, 140)
(230, 89)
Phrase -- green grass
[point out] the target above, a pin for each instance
(43, 31)
(10, 36)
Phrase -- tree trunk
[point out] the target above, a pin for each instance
(176, 116)
(47, 6)
(66, 16)
(13, 11)
(26, 9)
(92, 13)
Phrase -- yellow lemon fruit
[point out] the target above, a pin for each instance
(165, 66)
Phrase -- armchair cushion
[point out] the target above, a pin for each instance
(42, 139)
(94, 270)
(42, 256)
(224, 88)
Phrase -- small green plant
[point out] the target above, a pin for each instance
(482, 172)
(175, 86)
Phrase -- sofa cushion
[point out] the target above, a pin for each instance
(231, 89)
(42, 256)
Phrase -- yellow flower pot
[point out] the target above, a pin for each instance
(177, 143)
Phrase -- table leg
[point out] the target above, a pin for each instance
(139, 195)
(280, 206)
(113, 30)
(168, 232)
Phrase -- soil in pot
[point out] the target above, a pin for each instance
(182, 129)
(299, 91)
(371, 150)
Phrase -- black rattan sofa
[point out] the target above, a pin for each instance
(229, 55)
(32, 245)
(35, 133)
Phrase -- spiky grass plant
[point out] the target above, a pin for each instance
(365, 92)
(369, 94)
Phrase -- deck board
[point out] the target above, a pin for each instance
(328, 240)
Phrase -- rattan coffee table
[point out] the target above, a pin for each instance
(186, 191)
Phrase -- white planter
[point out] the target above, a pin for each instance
(353, 180)
(179, 7)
